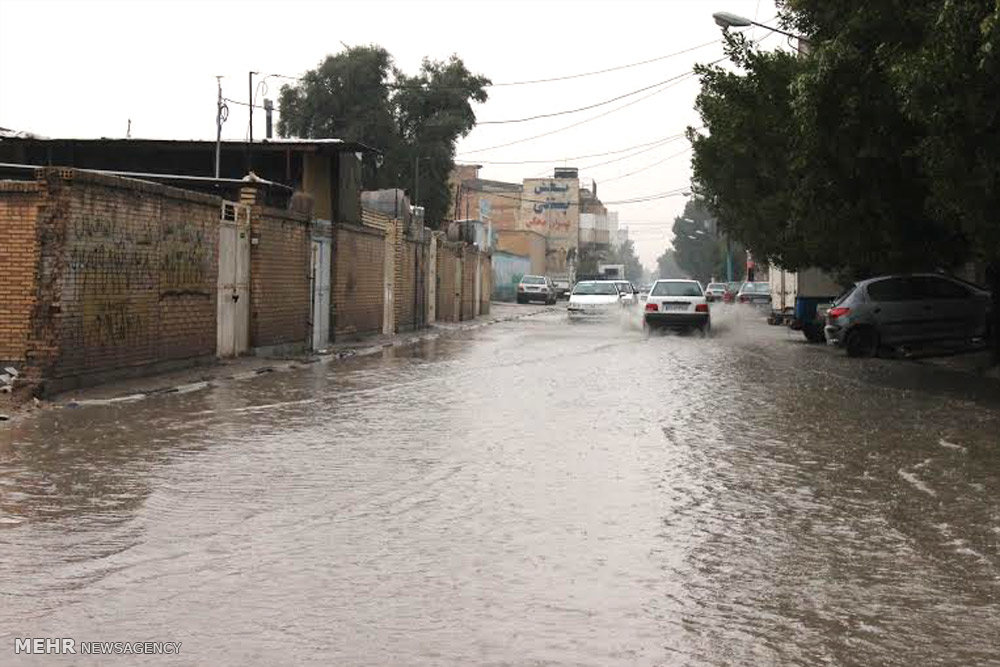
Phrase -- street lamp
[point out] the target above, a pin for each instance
(726, 20)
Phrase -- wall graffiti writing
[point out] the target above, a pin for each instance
(184, 260)
(550, 187)
(111, 323)
(540, 207)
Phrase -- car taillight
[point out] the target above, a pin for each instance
(744, 298)
(701, 308)
(839, 311)
(520, 288)
(651, 308)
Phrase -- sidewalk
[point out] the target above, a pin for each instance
(244, 368)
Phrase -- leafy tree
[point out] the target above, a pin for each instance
(697, 249)
(624, 254)
(360, 95)
(667, 267)
(743, 165)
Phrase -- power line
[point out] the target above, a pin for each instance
(647, 167)
(586, 120)
(584, 108)
(609, 69)
(579, 157)
(631, 155)
(551, 79)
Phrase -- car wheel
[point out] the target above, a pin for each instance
(814, 333)
(861, 342)
(520, 299)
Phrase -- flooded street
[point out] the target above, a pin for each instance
(534, 492)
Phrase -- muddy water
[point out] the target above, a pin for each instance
(530, 493)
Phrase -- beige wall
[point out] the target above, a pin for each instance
(528, 243)
(316, 183)
(550, 206)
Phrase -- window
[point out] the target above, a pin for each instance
(533, 280)
(890, 289)
(928, 287)
(603, 289)
(676, 288)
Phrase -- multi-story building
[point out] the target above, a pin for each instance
(551, 207)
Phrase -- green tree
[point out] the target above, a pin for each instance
(697, 249)
(359, 95)
(667, 267)
(743, 165)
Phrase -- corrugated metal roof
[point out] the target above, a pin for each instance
(315, 145)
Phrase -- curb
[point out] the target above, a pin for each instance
(432, 332)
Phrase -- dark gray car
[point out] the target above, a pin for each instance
(903, 310)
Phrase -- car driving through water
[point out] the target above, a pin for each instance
(677, 304)
(594, 299)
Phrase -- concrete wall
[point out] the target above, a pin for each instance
(507, 270)
(357, 288)
(551, 207)
(528, 243)
(280, 254)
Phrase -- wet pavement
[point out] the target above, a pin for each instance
(534, 492)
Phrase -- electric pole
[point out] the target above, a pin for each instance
(219, 106)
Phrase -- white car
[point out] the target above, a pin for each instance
(594, 298)
(677, 304)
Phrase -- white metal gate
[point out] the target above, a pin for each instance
(320, 308)
(233, 324)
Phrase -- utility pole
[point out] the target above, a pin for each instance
(250, 145)
(218, 126)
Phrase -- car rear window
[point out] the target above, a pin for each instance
(676, 289)
(603, 289)
(715, 286)
(533, 280)
(890, 289)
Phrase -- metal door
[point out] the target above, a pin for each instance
(320, 307)
(233, 324)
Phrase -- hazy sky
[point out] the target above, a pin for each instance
(82, 69)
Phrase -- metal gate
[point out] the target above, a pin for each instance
(320, 306)
(233, 323)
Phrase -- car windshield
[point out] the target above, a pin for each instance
(533, 280)
(624, 287)
(590, 288)
(716, 286)
(676, 288)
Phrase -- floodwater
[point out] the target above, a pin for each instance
(533, 492)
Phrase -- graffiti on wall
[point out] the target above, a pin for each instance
(184, 261)
(119, 267)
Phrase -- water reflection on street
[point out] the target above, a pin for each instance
(533, 492)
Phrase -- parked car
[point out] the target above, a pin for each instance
(755, 294)
(536, 288)
(594, 298)
(903, 310)
(677, 304)
(715, 292)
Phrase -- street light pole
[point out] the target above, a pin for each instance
(727, 20)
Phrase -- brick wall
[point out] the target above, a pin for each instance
(487, 284)
(357, 286)
(468, 295)
(124, 276)
(410, 291)
(279, 278)
(20, 204)
(448, 290)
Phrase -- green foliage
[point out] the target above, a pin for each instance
(698, 250)
(359, 95)
(858, 156)
(667, 267)
(623, 254)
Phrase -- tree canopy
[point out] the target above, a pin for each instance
(360, 95)
(875, 151)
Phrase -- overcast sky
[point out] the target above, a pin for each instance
(83, 69)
